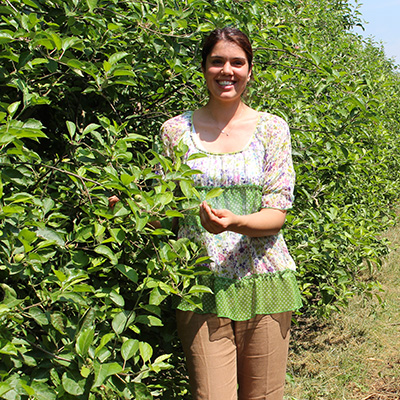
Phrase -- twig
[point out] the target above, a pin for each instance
(47, 352)
(369, 396)
(81, 178)
(12, 6)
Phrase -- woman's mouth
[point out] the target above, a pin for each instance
(226, 83)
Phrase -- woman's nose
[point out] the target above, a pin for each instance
(227, 68)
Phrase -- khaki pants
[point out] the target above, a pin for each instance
(228, 359)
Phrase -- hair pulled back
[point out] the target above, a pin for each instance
(229, 34)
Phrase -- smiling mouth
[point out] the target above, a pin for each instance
(226, 83)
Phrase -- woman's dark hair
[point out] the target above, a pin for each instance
(233, 35)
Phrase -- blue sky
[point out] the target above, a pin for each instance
(383, 24)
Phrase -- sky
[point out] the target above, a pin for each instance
(383, 24)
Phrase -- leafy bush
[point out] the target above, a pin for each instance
(87, 291)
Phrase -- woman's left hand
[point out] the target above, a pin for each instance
(215, 221)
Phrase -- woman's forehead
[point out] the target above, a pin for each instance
(225, 47)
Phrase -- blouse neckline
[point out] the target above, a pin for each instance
(197, 144)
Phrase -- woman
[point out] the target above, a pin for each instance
(237, 344)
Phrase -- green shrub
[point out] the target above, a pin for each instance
(86, 306)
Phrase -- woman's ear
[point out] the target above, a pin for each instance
(250, 72)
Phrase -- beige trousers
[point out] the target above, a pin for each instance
(227, 360)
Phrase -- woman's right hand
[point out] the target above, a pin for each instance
(216, 221)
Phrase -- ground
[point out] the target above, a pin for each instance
(355, 354)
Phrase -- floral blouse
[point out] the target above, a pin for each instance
(251, 275)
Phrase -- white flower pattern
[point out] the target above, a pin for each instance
(259, 176)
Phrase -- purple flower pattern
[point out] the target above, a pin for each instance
(263, 168)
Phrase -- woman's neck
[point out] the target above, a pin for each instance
(222, 112)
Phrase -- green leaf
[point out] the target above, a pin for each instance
(142, 392)
(106, 66)
(117, 298)
(133, 137)
(119, 323)
(51, 236)
(162, 231)
(80, 258)
(72, 384)
(57, 41)
(118, 234)
(146, 351)
(200, 289)
(4, 388)
(84, 340)
(9, 297)
(104, 340)
(71, 129)
(90, 128)
(316, 58)
(27, 238)
(71, 42)
(43, 391)
(149, 320)
(39, 316)
(141, 221)
(92, 4)
(60, 275)
(128, 272)
(187, 188)
(174, 213)
(157, 296)
(12, 108)
(277, 43)
(107, 252)
(8, 348)
(114, 58)
(129, 349)
(57, 321)
(85, 371)
(103, 371)
(214, 193)
(127, 179)
(12, 210)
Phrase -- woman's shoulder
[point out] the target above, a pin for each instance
(272, 120)
(174, 128)
(179, 122)
(272, 127)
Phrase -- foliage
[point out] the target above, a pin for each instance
(87, 291)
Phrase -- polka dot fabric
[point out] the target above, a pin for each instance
(242, 299)
(250, 275)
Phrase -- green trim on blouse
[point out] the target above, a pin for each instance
(243, 299)
(240, 199)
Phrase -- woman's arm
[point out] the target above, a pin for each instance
(266, 222)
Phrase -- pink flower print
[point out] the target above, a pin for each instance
(221, 257)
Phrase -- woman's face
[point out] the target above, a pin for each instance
(227, 71)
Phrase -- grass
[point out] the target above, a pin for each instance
(355, 355)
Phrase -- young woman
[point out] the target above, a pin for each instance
(236, 346)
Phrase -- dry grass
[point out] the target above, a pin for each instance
(356, 354)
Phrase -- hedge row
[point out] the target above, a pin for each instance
(86, 291)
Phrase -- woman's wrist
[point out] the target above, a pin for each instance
(267, 222)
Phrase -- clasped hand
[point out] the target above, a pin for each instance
(216, 221)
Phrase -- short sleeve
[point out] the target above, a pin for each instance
(279, 175)
(171, 133)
